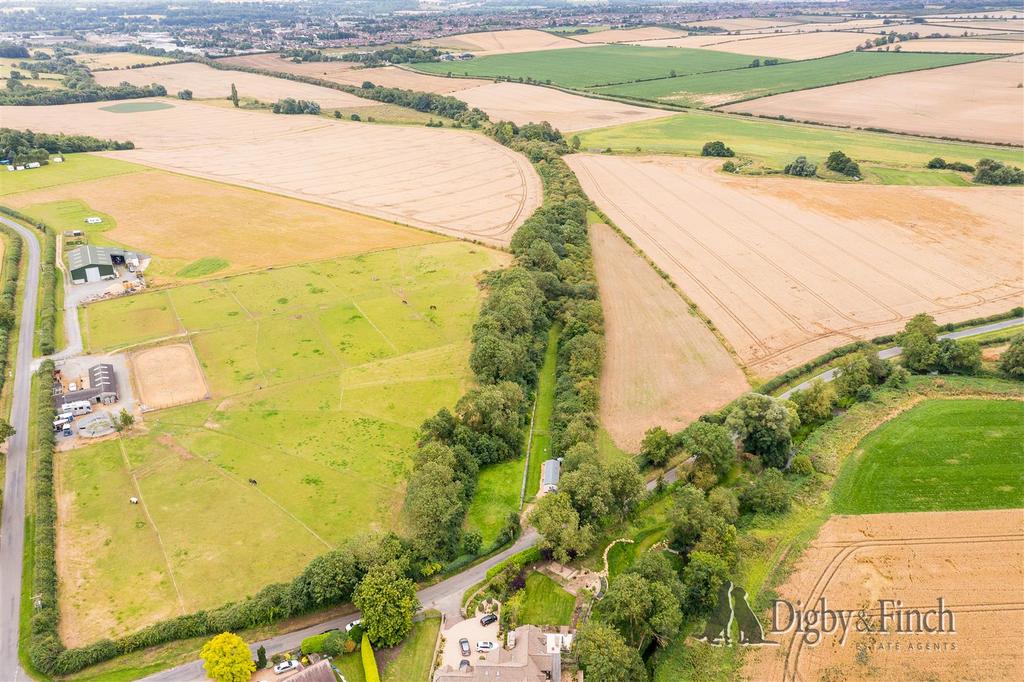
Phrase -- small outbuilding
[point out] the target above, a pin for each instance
(550, 471)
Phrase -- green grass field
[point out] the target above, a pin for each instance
(776, 143)
(587, 67)
(414, 661)
(497, 496)
(540, 449)
(942, 455)
(320, 376)
(711, 89)
(546, 602)
(76, 168)
(136, 107)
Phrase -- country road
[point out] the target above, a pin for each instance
(887, 353)
(12, 530)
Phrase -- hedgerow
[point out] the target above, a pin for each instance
(12, 263)
(49, 278)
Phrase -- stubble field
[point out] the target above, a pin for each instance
(502, 42)
(786, 274)
(972, 560)
(207, 83)
(319, 376)
(790, 45)
(988, 102)
(1012, 45)
(448, 181)
(166, 215)
(662, 365)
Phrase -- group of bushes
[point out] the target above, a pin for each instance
(838, 162)
(290, 105)
(716, 148)
(987, 171)
(938, 163)
(393, 55)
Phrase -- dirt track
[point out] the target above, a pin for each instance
(987, 108)
(454, 182)
(973, 560)
(531, 103)
(662, 365)
(207, 83)
(786, 274)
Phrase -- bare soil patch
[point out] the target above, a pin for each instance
(792, 45)
(208, 83)
(978, 101)
(503, 42)
(786, 273)
(530, 103)
(449, 181)
(974, 561)
(167, 376)
(662, 365)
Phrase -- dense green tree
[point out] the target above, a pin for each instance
(841, 163)
(387, 600)
(626, 483)
(716, 148)
(703, 576)
(814, 404)
(961, 356)
(434, 509)
(234, 95)
(604, 656)
(590, 491)
(560, 528)
(657, 447)
(801, 167)
(710, 444)
(1011, 363)
(765, 425)
(989, 172)
(330, 578)
(854, 373)
(723, 503)
(768, 493)
(920, 343)
(643, 609)
(689, 516)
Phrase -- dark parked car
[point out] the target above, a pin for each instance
(488, 619)
(464, 647)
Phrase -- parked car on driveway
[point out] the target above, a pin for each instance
(485, 646)
(285, 666)
(488, 619)
(464, 647)
(358, 621)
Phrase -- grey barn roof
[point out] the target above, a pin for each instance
(550, 470)
(84, 256)
(102, 377)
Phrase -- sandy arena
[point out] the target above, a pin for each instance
(167, 376)
(532, 103)
(974, 561)
(787, 274)
(208, 83)
(662, 365)
(987, 110)
(454, 182)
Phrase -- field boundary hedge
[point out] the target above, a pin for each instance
(48, 279)
(8, 293)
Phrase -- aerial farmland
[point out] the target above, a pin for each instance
(437, 342)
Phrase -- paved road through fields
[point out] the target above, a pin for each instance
(12, 530)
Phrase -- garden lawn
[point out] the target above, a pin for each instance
(587, 67)
(776, 143)
(713, 89)
(546, 602)
(942, 455)
(497, 496)
(416, 658)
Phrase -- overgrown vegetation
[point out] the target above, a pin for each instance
(991, 172)
(23, 146)
(839, 162)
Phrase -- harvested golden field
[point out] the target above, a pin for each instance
(691, 41)
(116, 60)
(208, 83)
(532, 103)
(662, 365)
(982, 45)
(743, 24)
(978, 101)
(973, 561)
(786, 273)
(449, 181)
(272, 61)
(629, 35)
(165, 215)
(792, 45)
(503, 42)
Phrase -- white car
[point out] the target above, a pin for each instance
(484, 647)
(348, 628)
(285, 666)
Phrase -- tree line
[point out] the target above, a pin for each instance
(25, 145)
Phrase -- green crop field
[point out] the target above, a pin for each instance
(320, 376)
(711, 89)
(776, 143)
(546, 602)
(590, 66)
(942, 455)
(76, 168)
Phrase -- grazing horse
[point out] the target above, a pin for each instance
(252, 481)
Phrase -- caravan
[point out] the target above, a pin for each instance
(79, 407)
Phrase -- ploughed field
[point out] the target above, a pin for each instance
(319, 376)
(786, 274)
(454, 182)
